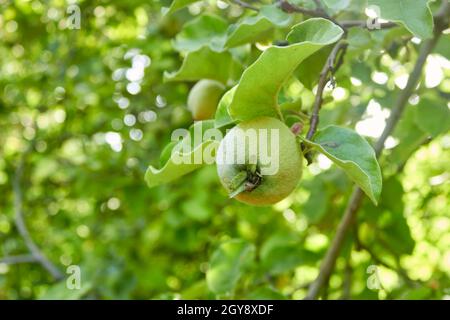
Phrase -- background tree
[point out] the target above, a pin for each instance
(83, 112)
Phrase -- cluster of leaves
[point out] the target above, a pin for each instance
(67, 94)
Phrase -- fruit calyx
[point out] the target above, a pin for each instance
(246, 180)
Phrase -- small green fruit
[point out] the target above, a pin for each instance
(203, 99)
(249, 181)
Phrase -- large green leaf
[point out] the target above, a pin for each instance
(258, 27)
(415, 15)
(182, 162)
(227, 265)
(354, 155)
(179, 4)
(257, 91)
(205, 64)
(205, 30)
(308, 73)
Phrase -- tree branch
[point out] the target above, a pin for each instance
(365, 25)
(357, 195)
(319, 5)
(245, 5)
(25, 258)
(20, 221)
(332, 64)
(347, 283)
(318, 12)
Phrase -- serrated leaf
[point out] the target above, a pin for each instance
(258, 27)
(205, 64)
(415, 15)
(181, 162)
(227, 265)
(354, 155)
(205, 30)
(179, 4)
(257, 91)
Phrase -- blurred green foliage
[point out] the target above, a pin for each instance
(92, 107)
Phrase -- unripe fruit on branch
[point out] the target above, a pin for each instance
(203, 99)
(254, 180)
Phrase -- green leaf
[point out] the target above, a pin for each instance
(409, 135)
(257, 91)
(59, 291)
(205, 30)
(179, 4)
(415, 15)
(359, 39)
(227, 265)
(394, 232)
(265, 293)
(257, 28)
(308, 73)
(316, 206)
(443, 45)
(422, 293)
(222, 117)
(354, 155)
(433, 116)
(284, 252)
(205, 64)
(166, 153)
(180, 162)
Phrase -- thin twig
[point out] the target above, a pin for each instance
(25, 258)
(291, 8)
(245, 5)
(319, 5)
(347, 283)
(366, 25)
(355, 200)
(331, 65)
(20, 221)
(319, 12)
